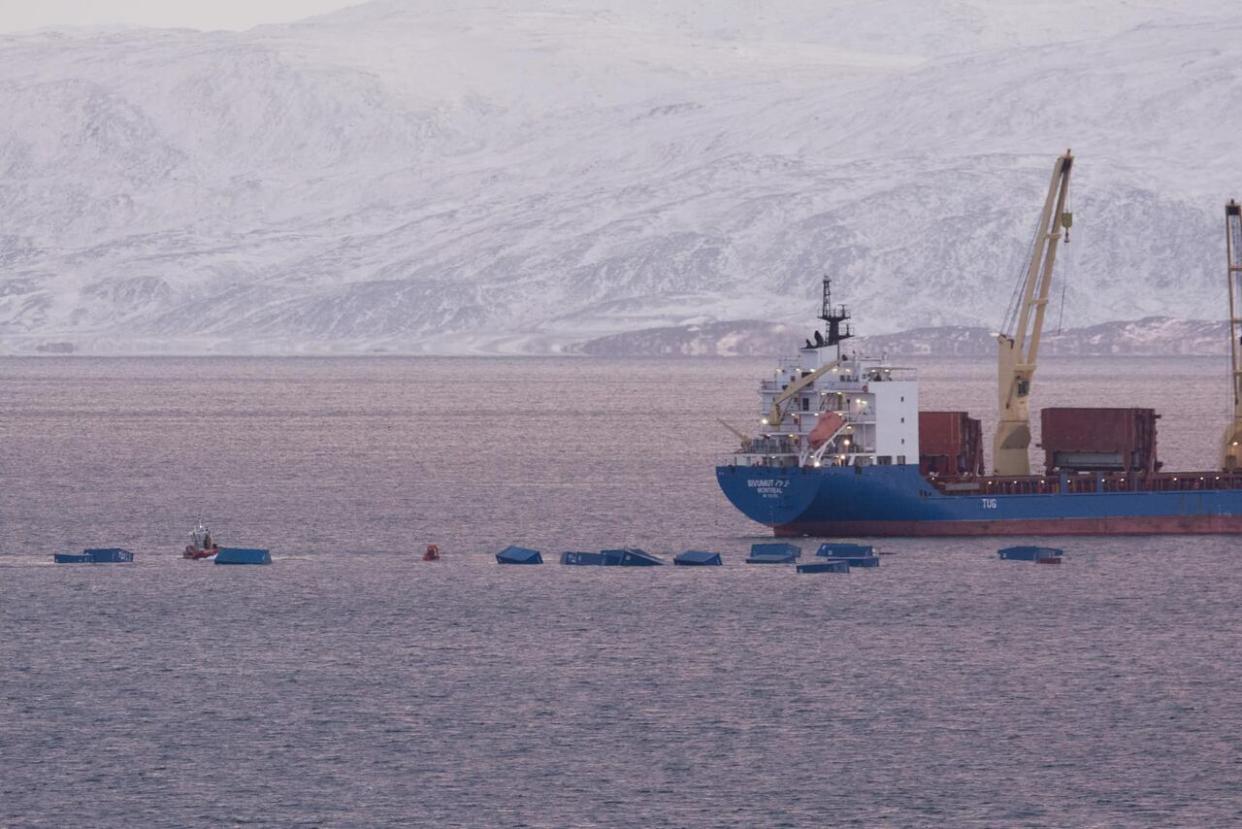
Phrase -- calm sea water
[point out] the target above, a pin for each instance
(350, 684)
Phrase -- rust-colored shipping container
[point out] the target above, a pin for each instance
(1099, 440)
(950, 444)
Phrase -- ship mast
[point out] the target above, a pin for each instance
(834, 317)
(836, 333)
(1231, 454)
(1018, 343)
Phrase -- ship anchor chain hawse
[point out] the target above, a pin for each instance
(842, 448)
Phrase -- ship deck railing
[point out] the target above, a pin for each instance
(838, 384)
(1081, 484)
(759, 459)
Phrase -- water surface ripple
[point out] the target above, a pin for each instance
(350, 684)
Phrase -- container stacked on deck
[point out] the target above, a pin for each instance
(950, 444)
(1099, 440)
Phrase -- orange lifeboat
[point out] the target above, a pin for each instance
(826, 428)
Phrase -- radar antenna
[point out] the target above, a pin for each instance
(835, 317)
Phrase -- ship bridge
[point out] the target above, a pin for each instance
(853, 410)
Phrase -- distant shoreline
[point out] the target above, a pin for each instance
(1148, 337)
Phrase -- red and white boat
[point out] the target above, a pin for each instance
(201, 545)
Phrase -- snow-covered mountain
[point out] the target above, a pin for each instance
(528, 175)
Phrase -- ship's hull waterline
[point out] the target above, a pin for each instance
(897, 500)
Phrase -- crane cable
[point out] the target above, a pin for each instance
(1015, 301)
(1066, 220)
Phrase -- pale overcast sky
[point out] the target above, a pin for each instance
(19, 15)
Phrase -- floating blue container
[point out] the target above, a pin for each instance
(1043, 554)
(837, 549)
(828, 565)
(586, 559)
(612, 557)
(518, 555)
(781, 553)
(95, 555)
(243, 555)
(634, 557)
(856, 555)
(620, 557)
(697, 558)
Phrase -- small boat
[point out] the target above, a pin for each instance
(518, 555)
(781, 553)
(95, 555)
(697, 558)
(432, 553)
(827, 565)
(1039, 555)
(243, 555)
(201, 545)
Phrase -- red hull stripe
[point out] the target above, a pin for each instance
(1133, 525)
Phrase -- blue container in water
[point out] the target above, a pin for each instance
(634, 557)
(619, 557)
(584, 559)
(698, 558)
(1031, 553)
(243, 555)
(827, 565)
(836, 549)
(781, 553)
(612, 558)
(518, 555)
(856, 555)
(95, 555)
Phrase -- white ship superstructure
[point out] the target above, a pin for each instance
(828, 408)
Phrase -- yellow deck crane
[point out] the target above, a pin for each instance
(1231, 454)
(1018, 344)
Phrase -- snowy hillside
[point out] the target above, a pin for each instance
(527, 176)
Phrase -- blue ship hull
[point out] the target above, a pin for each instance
(898, 501)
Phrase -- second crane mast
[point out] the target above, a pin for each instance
(1231, 455)
(1018, 349)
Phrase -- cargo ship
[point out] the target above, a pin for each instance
(842, 448)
